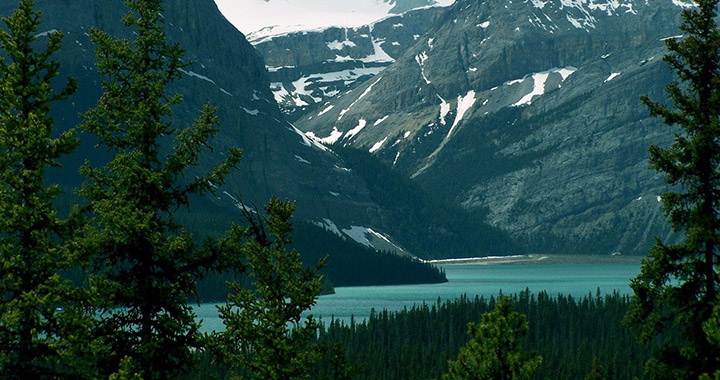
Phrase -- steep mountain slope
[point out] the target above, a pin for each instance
(529, 110)
(229, 73)
(308, 68)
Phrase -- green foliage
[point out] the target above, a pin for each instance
(597, 372)
(266, 336)
(42, 321)
(494, 350)
(146, 265)
(677, 288)
(418, 342)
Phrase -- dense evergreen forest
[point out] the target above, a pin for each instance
(568, 333)
(573, 336)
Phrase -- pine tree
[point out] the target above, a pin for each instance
(147, 265)
(40, 311)
(266, 336)
(678, 284)
(494, 351)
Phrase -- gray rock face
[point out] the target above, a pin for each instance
(528, 110)
(308, 68)
(230, 74)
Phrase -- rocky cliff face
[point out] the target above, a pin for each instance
(308, 68)
(529, 110)
(230, 74)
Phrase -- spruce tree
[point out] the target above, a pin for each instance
(147, 265)
(494, 351)
(40, 311)
(266, 336)
(678, 285)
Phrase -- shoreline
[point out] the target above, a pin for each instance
(539, 259)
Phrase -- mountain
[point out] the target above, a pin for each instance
(530, 111)
(278, 159)
(307, 68)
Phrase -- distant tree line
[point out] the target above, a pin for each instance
(568, 333)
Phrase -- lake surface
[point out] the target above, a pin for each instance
(484, 280)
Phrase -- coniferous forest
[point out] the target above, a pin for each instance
(103, 289)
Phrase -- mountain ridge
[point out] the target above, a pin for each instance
(498, 86)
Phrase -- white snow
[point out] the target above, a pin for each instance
(672, 37)
(367, 91)
(380, 120)
(274, 69)
(611, 77)
(335, 135)
(575, 22)
(470, 259)
(683, 4)
(251, 112)
(539, 81)
(444, 109)
(659, 198)
(196, 75)
(326, 110)
(239, 204)
(46, 33)
(300, 159)
(351, 133)
(296, 15)
(378, 55)
(421, 59)
(306, 139)
(359, 234)
(538, 89)
(484, 25)
(463, 105)
(378, 145)
(538, 3)
(339, 45)
(328, 225)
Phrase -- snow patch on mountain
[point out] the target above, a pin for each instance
(324, 111)
(463, 105)
(335, 135)
(378, 55)
(539, 83)
(611, 77)
(351, 133)
(372, 239)
(302, 160)
(329, 225)
(444, 110)
(378, 145)
(367, 91)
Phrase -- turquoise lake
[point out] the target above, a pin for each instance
(484, 280)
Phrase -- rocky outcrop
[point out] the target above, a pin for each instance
(308, 68)
(530, 111)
